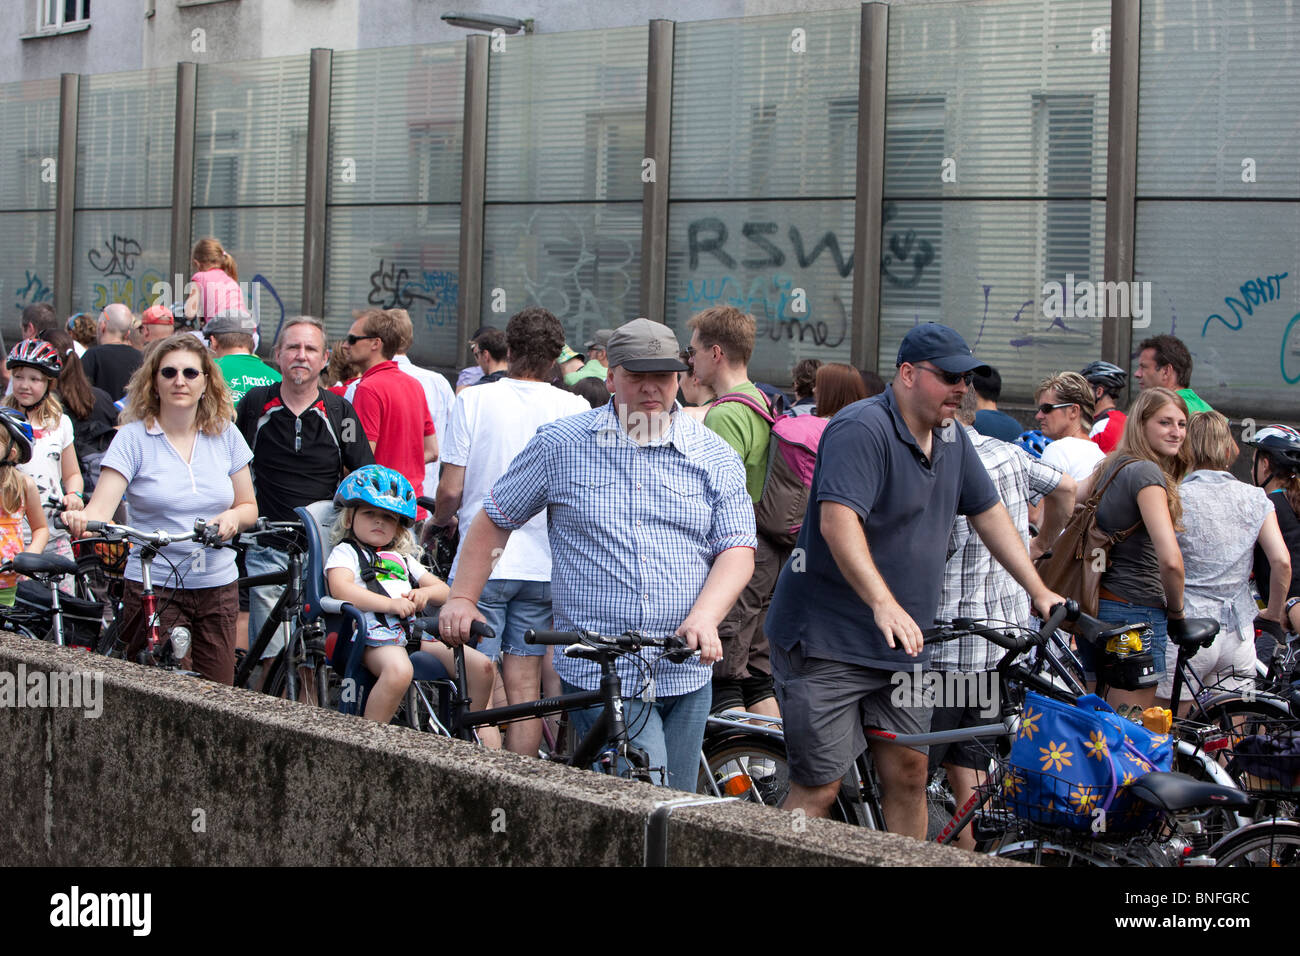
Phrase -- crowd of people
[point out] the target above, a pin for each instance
(633, 487)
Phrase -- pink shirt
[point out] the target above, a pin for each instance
(217, 292)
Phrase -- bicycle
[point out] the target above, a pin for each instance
(999, 826)
(606, 745)
(302, 663)
(160, 650)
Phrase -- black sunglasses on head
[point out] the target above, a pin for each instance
(169, 372)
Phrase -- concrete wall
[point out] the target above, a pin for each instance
(112, 44)
(179, 771)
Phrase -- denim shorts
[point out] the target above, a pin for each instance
(1121, 612)
(512, 607)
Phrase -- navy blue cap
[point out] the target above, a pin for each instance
(940, 346)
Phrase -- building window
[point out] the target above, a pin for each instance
(56, 14)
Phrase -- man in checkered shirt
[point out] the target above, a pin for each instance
(651, 529)
(975, 585)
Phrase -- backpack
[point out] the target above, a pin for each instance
(791, 457)
(1071, 568)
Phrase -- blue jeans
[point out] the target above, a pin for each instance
(672, 736)
(512, 607)
(1121, 612)
(261, 601)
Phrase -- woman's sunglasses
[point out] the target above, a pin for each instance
(169, 372)
(1047, 409)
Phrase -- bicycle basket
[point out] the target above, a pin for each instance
(106, 556)
(1265, 755)
(1068, 763)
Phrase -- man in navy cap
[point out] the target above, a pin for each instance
(893, 471)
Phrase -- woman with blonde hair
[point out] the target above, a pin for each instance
(1223, 521)
(177, 458)
(1143, 580)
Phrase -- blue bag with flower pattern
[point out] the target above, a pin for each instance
(1071, 766)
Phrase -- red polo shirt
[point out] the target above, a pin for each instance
(395, 416)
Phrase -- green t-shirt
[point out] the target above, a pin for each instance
(593, 369)
(743, 430)
(245, 372)
(1194, 402)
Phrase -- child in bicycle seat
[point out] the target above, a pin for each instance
(19, 498)
(372, 566)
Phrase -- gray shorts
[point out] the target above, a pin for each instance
(825, 704)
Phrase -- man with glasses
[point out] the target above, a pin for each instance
(866, 574)
(1065, 416)
(305, 439)
(389, 403)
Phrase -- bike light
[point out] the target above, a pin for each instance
(180, 641)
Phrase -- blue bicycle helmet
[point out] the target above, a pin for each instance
(381, 488)
(1033, 442)
(20, 432)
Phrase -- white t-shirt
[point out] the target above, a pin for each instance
(489, 425)
(46, 467)
(1077, 457)
(439, 397)
(394, 585)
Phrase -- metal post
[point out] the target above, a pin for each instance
(65, 192)
(318, 172)
(867, 226)
(183, 175)
(658, 147)
(473, 184)
(1121, 170)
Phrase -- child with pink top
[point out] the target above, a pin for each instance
(217, 280)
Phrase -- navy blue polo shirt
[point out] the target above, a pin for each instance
(870, 462)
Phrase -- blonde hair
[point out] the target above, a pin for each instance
(215, 410)
(1133, 444)
(403, 543)
(209, 254)
(1073, 388)
(45, 413)
(1209, 442)
(13, 483)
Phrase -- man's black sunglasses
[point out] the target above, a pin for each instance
(950, 378)
(1047, 408)
(354, 339)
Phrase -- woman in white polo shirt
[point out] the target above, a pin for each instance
(177, 459)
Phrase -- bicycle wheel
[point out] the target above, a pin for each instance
(753, 768)
(1044, 853)
(1272, 844)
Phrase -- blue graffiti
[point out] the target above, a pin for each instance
(265, 283)
(1253, 292)
(35, 290)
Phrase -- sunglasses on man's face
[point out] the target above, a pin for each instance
(949, 378)
(169, 372)
(1047, 408)
(354, 339)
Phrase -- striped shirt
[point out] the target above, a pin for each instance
(633, 529)
(974, 584)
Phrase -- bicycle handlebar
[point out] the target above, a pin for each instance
(675, 648)
(962, 626)
(206, 534)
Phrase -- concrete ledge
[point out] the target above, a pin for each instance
(178, 771)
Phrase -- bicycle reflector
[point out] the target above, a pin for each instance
(735, 785)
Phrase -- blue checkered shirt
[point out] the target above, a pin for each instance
(974, 584)
(634, 531)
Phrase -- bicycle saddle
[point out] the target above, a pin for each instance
(1194, 632)
(32, 564)
(1175, 791)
